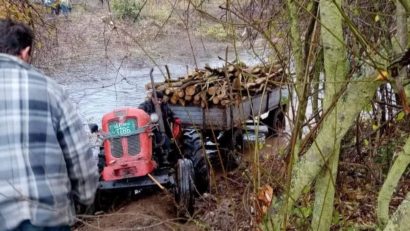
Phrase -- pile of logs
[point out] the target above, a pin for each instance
(220, 86)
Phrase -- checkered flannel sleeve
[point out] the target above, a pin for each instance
(74, 142)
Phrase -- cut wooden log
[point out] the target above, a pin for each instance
(188, 98)
(212, 90)
(221, 95)
(169, 91)
(193, 89)
(215, 100)
(236, 84)
(197, 97)
(174, 98)
(181, 93)
(225, 102)
(161, 88)
(217, 84)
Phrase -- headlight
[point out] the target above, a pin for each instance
(154, 117)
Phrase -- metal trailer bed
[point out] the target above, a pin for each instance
(235, 115)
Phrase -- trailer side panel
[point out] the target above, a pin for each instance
(229, 117)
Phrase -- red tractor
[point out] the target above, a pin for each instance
(127, 159)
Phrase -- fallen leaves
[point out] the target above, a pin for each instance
(263, 201)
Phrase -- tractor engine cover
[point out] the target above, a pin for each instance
(128, 148)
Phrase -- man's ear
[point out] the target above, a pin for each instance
(25, 54)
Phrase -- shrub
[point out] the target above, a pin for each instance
(127, 9)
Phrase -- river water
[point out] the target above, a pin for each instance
(104, 90)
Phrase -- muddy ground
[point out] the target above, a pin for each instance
(229, 206)
(90, 46)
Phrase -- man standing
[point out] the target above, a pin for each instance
(65, 6)
(46, 162)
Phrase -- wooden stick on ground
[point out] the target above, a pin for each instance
(156, 182)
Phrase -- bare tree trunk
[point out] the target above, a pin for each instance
(357, 95)
(296, 48)
(335, 70)
(390, 184)
(400, 220)
(301, 80)
(403, 160)
(405, 4)
(301, 88)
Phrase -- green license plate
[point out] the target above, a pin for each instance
(125, 129)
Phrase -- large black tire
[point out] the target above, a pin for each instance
(194, 150)
(184, 193)
(275, 121)
(231, 143)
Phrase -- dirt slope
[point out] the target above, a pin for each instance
(145, 212)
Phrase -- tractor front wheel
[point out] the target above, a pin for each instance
(184, 193)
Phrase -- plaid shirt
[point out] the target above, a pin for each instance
(45, 157)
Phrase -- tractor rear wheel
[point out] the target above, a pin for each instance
(195, 151)
(184, 193)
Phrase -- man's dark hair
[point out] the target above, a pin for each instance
(14, 37)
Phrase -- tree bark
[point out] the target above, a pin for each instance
(405, 4)
(296, 47)
(403, 159)
(400, 220)
(301, 79)
(302, 85)
(335, 70)
(390, 184)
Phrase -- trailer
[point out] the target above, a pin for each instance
(223, 128)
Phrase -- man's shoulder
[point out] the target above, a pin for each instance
(34, 75)
(52, 85)
(12, 62)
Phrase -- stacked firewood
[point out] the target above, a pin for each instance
(220, 86)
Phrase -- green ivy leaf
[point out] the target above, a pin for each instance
(400, 116)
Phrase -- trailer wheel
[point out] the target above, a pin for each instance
(194, 150)
(184, 193)
(231, 143)
(276, 121)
